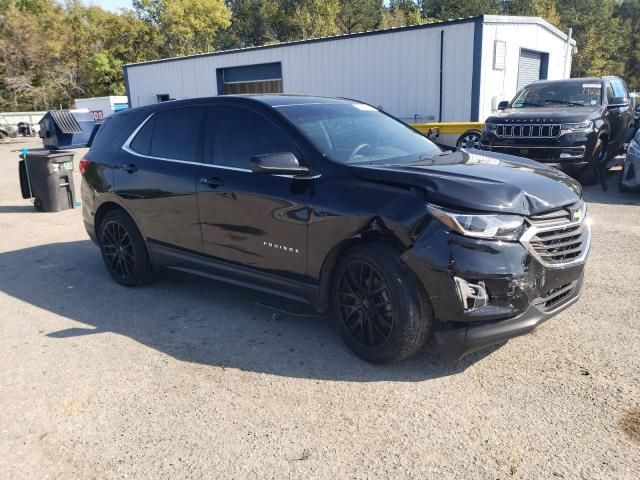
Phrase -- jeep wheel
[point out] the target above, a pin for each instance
(591, 172)
(382, 312)
(123, 250)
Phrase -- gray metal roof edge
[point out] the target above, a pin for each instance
(528, 20)
(311, 40)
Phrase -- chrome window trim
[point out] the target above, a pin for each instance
(126, 146)
(533, 230)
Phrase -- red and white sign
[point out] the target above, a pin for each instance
(97, 115)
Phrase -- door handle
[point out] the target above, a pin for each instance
(130, 168)
(213, 182)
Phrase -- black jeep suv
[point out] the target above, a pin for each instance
(334, 203)
(578, 125)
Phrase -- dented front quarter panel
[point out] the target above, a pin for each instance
(513, 278)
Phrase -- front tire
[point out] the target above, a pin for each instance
(382, 312)
(123, 250)
(591, 173)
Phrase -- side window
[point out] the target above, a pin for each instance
(175, 133)
(240, 133)
(142, 141)
(609, 93)
(619, 89)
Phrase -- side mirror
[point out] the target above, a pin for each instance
(617, 102)
(284, 163)
(503, 105)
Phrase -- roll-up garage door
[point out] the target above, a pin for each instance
(529, 67)
(261, 78)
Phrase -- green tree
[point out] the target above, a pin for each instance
(546, 9)
(253, 23)
(400, 13)
(303, 19)
(359, 15)
(448, 9)
(185, 26)
(597, 33)
(628, 13)
(105, 75)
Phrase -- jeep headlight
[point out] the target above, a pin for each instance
(577, 127)
(490, 127)
(487, 226)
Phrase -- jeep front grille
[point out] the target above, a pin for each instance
(558, 238)
(528, 130)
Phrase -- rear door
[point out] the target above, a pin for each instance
(256, 220)
(158, 174)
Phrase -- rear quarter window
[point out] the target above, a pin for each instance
(112, 129)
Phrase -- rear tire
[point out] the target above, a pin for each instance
(123, 250)
(469, 139)
(382, 312)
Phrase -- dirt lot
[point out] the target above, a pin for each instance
(190, 378)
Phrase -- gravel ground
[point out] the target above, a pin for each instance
(191, 378)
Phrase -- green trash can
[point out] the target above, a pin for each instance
(47, 177)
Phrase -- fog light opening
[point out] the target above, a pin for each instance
(472, 295)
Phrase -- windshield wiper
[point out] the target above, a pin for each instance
(565, 102)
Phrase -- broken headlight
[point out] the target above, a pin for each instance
(487, 226)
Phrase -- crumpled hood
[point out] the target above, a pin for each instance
(482, 181)
(557, 114)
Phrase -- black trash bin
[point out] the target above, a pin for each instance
(47, 176)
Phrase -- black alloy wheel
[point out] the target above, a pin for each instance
(365, 304)
(117, 247)
(381, 309)
(124, 250)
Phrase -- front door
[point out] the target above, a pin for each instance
(158, 177)
(256, 220)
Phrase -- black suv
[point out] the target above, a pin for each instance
(334, 203)
(578, 125)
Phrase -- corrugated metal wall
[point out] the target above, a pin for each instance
(396, 70)
(497, 85)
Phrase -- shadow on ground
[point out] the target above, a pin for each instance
(17, 209)
(198, 320)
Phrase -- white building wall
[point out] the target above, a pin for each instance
(398, 71)
(497, 85)
(104, 104)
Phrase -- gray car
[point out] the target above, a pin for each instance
(630, 178)
(8, 131)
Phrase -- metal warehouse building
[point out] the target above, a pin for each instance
(456, 70)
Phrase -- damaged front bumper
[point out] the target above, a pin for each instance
(484, 292)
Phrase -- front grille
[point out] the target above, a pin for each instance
(557, 296)
(528, 130)
(557, 238)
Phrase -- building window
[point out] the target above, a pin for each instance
(258, 78)
(162, 97)
(262, 86)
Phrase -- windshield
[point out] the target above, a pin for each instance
(578, 94)
(355, 133)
